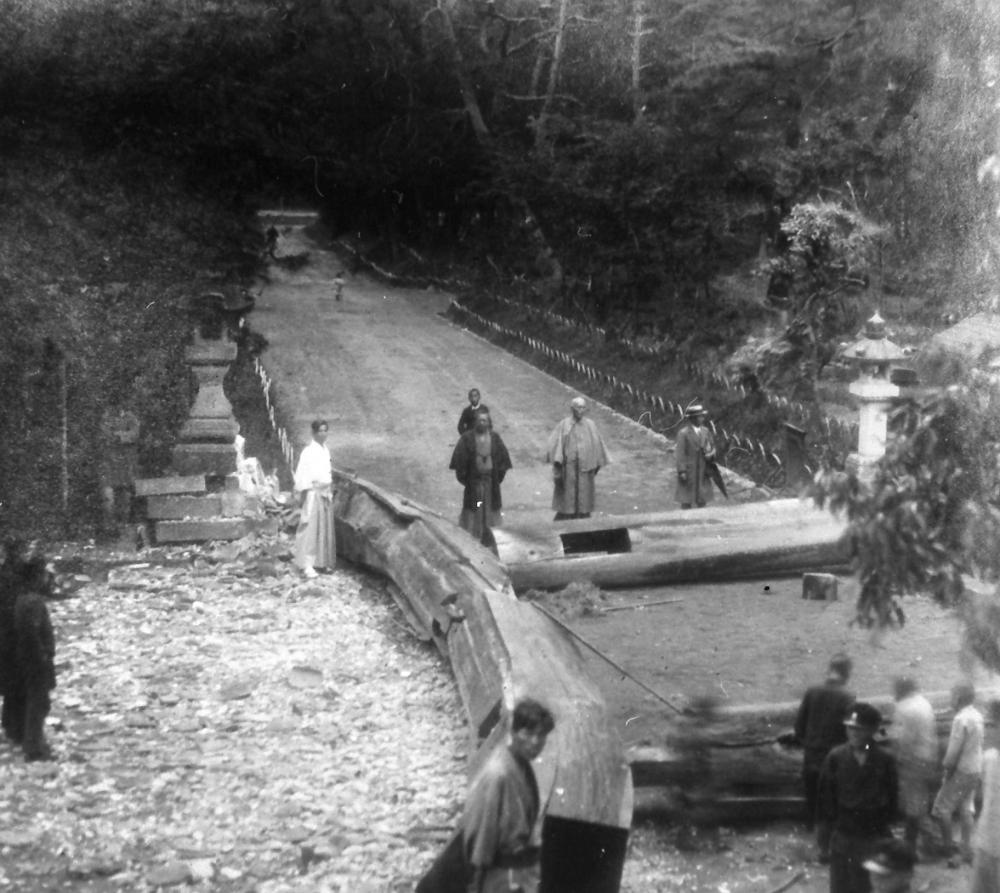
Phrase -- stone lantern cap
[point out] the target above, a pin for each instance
(873, 349)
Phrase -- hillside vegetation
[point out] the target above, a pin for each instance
(688, 171)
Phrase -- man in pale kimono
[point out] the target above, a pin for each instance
(692, 451)
(315, 539)
(577, 453)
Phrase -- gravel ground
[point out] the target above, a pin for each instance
(231, 726)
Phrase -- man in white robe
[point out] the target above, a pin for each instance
(315, 539)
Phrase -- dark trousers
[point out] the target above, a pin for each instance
(847, 871)
(24, 713)
(810, 785)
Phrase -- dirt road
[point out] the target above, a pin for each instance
(391, 374)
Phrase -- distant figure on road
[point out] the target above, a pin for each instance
(693, 451)
(577, 453)
(480, 461)
(315, 539)
(914, 734)
(468, 417)
(858, 794)
(819, 727)
(962, 768)
(495, 849)
(271, 241)
(986, 842)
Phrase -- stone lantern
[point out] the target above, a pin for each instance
(873, 353)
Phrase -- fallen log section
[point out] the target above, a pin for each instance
(781, 537)
(459, 595)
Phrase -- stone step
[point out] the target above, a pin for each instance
(204, 458)
(170, 485)
(201, 530)
(219, 430)
(216, 505)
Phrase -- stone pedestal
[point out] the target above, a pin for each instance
(874, 397)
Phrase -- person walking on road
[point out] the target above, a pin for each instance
(576, 452)
(693, 452)
(315, 538)
(914, 736)
(467, 419)
(858, 792)
(480, 462)
(986, 840)
(962, 767)
(819, 727)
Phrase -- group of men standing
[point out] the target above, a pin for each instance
(855, 787)
(576, 452)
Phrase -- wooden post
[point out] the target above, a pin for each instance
(64, 446)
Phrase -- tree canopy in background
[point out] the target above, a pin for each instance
(623, 156)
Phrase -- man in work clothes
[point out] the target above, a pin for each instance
(962, 766)
(858, 793)
(819, 727)
(914, 735)
(577, 453)
(692, 451)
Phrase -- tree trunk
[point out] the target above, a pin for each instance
(637, 35)
(545, 260)
(541, 140)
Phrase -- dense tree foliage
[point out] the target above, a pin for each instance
(929, 521)
(647, 165)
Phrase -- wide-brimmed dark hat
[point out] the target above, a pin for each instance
(864, 716)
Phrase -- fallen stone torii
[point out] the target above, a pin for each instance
(456, 593)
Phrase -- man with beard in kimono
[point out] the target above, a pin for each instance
(577, 453)
(480, 462)
(495, 849)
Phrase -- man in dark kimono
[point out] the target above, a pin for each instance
(496, 848)
(467, 420)
(480, 462)
(819, 727)
(35, 674)
(577, 452)
(858, 793)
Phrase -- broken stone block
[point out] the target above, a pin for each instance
(819, 587)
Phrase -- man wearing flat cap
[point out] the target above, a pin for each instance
(858, 793)
(693, 451)
(577, 453)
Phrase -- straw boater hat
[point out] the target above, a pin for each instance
(693, 410)
(891, 857)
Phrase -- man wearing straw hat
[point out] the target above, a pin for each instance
(577, 453)
(693, 452)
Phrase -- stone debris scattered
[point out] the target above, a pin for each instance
(221, 724)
